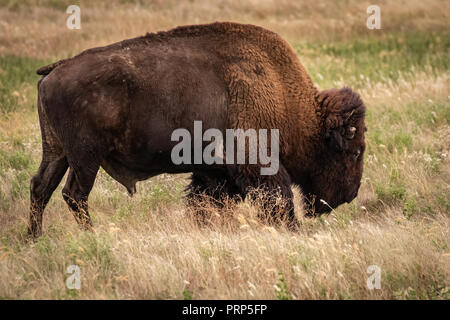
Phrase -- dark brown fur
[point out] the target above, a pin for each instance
(116, 107)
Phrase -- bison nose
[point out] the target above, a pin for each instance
(353, 194)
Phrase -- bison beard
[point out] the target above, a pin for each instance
(117, 106)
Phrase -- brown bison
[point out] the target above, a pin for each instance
(117, 106)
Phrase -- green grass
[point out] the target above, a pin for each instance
(23, 167)
(414, 289)
(281, 288)
(55, 4)
(91, 248)
(376, 59)
(15, 72)
(163, 194)
(17, 159)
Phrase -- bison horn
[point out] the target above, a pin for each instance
(352, 132)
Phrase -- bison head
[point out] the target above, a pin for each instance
(336, 175)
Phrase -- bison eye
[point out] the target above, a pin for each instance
(356, 154)
(351, 133)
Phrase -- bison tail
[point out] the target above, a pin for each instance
(43, 71)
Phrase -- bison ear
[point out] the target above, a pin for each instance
(342, 108)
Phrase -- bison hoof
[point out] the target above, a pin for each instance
(32, 235)
(293, 226)
(86, 227)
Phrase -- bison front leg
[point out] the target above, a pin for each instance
(42, 186)
(272, 193)
(214, 188)
(76, 192)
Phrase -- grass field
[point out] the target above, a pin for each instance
(147, 247)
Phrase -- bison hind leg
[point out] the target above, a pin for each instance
(42, 185)
(76, 202)
(78, 185)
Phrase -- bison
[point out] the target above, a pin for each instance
(117, 106)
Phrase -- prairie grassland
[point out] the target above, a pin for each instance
(147, 247)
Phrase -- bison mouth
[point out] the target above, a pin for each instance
(317, 206)
(353, 195)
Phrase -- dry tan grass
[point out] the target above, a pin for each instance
(148, 247)
(40, 31)
(162, 253)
